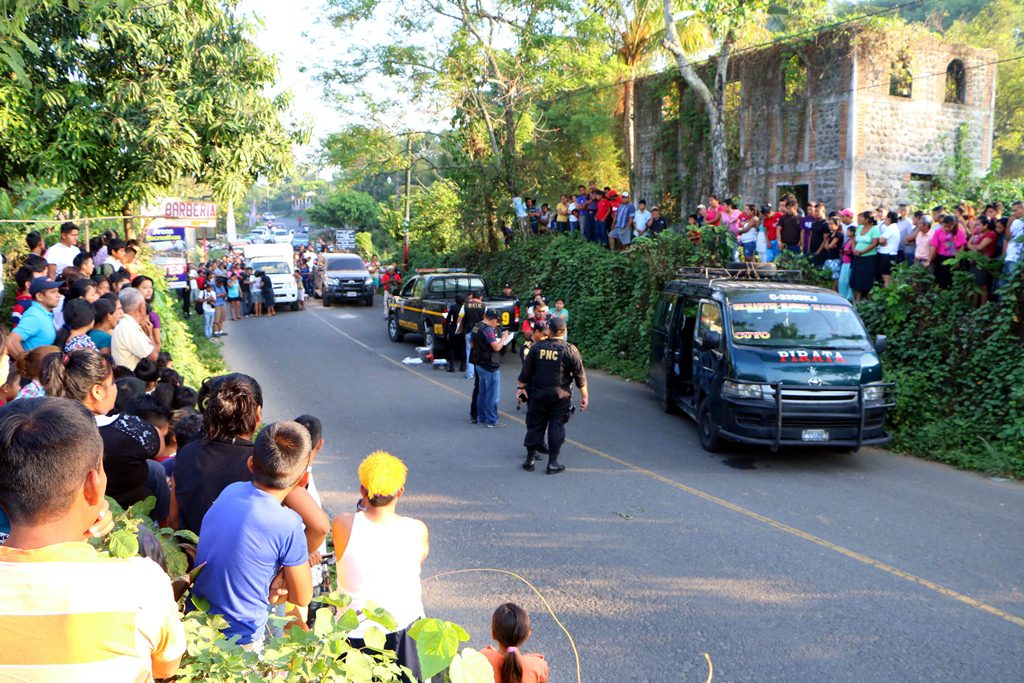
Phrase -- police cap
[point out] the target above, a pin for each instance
(491, 314)
(556, 325)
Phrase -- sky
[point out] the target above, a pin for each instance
(292, 32)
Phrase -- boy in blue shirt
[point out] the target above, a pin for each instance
(248, 537)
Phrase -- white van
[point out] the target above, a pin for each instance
(277, 261)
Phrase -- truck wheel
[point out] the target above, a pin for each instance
(395, 333)
(369, 300)
(327, 300)
(708, 428)
(295, 305)
(428, 335)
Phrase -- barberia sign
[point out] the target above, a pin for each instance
(176, 209)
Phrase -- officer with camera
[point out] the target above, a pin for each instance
(549, 371)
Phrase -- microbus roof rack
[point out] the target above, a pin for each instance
(740, 271)
(427, 271)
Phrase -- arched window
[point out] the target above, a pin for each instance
(956, 82)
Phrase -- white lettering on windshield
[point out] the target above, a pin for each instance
(793, 297)
(804, 356)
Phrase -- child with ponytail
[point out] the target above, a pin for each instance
(510, 628)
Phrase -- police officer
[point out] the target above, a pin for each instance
(549, 370)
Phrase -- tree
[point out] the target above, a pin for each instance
(113, 102)
(636, 30)
(435, 226)
(1000, 25)
(491, 65)
(726, 21)
(345, 209)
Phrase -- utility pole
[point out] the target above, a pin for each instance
(408, 196)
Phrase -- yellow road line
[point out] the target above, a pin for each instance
(721, 502)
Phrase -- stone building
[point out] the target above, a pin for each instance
(851, 118)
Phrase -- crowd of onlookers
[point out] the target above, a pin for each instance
(604, 216)
(859, 251)
(93, 407)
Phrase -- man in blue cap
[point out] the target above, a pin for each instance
(36, 325)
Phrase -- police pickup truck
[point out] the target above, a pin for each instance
(754, 358)
(423, 302)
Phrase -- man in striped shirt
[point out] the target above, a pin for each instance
(67, 612)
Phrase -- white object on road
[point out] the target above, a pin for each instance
(412, 361)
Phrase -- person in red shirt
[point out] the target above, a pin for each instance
(23, 278)
(603, 216)
(771, 230)
(390, 281)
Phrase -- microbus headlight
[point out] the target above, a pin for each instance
(874, 393)
(742, 390)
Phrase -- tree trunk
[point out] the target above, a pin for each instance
(229, 223)
(716, 116)
(719, 152)
(129, 224)
(629, 124)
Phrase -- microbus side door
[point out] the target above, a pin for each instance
(707, 363)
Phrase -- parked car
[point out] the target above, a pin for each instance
(342, 277)
(768, 362)
(300, 240)
(259, 235)
(421, 305)
(281, 236)
(269, 217)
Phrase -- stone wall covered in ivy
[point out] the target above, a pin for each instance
(853, 117)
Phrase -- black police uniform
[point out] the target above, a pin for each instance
(473, 315)
(456, 342)
(549, 370)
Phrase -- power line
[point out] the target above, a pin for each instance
(912, 4)
(940, 73)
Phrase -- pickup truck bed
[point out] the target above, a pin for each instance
(424, 300)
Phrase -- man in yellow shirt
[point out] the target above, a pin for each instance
(69, 613)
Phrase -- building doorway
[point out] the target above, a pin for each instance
(801, 192)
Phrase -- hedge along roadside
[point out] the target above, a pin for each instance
(195, 357)
(959, 370)
(610, 296)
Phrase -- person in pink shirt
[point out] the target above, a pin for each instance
(947, 240)
(713, 215)
(730, 216)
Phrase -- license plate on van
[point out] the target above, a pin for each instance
(815, 435)
(351, 293)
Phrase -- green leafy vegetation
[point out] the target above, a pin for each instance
(610, 296)
(195, 356)
(959, 370)
(115, 102)
(298, 655)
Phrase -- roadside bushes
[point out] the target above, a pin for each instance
(959, 370)
(195, 356)
(610, 296)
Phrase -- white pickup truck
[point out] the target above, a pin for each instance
(277, 261)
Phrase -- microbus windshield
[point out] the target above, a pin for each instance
(757, 322)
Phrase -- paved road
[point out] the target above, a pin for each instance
(802, 566)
